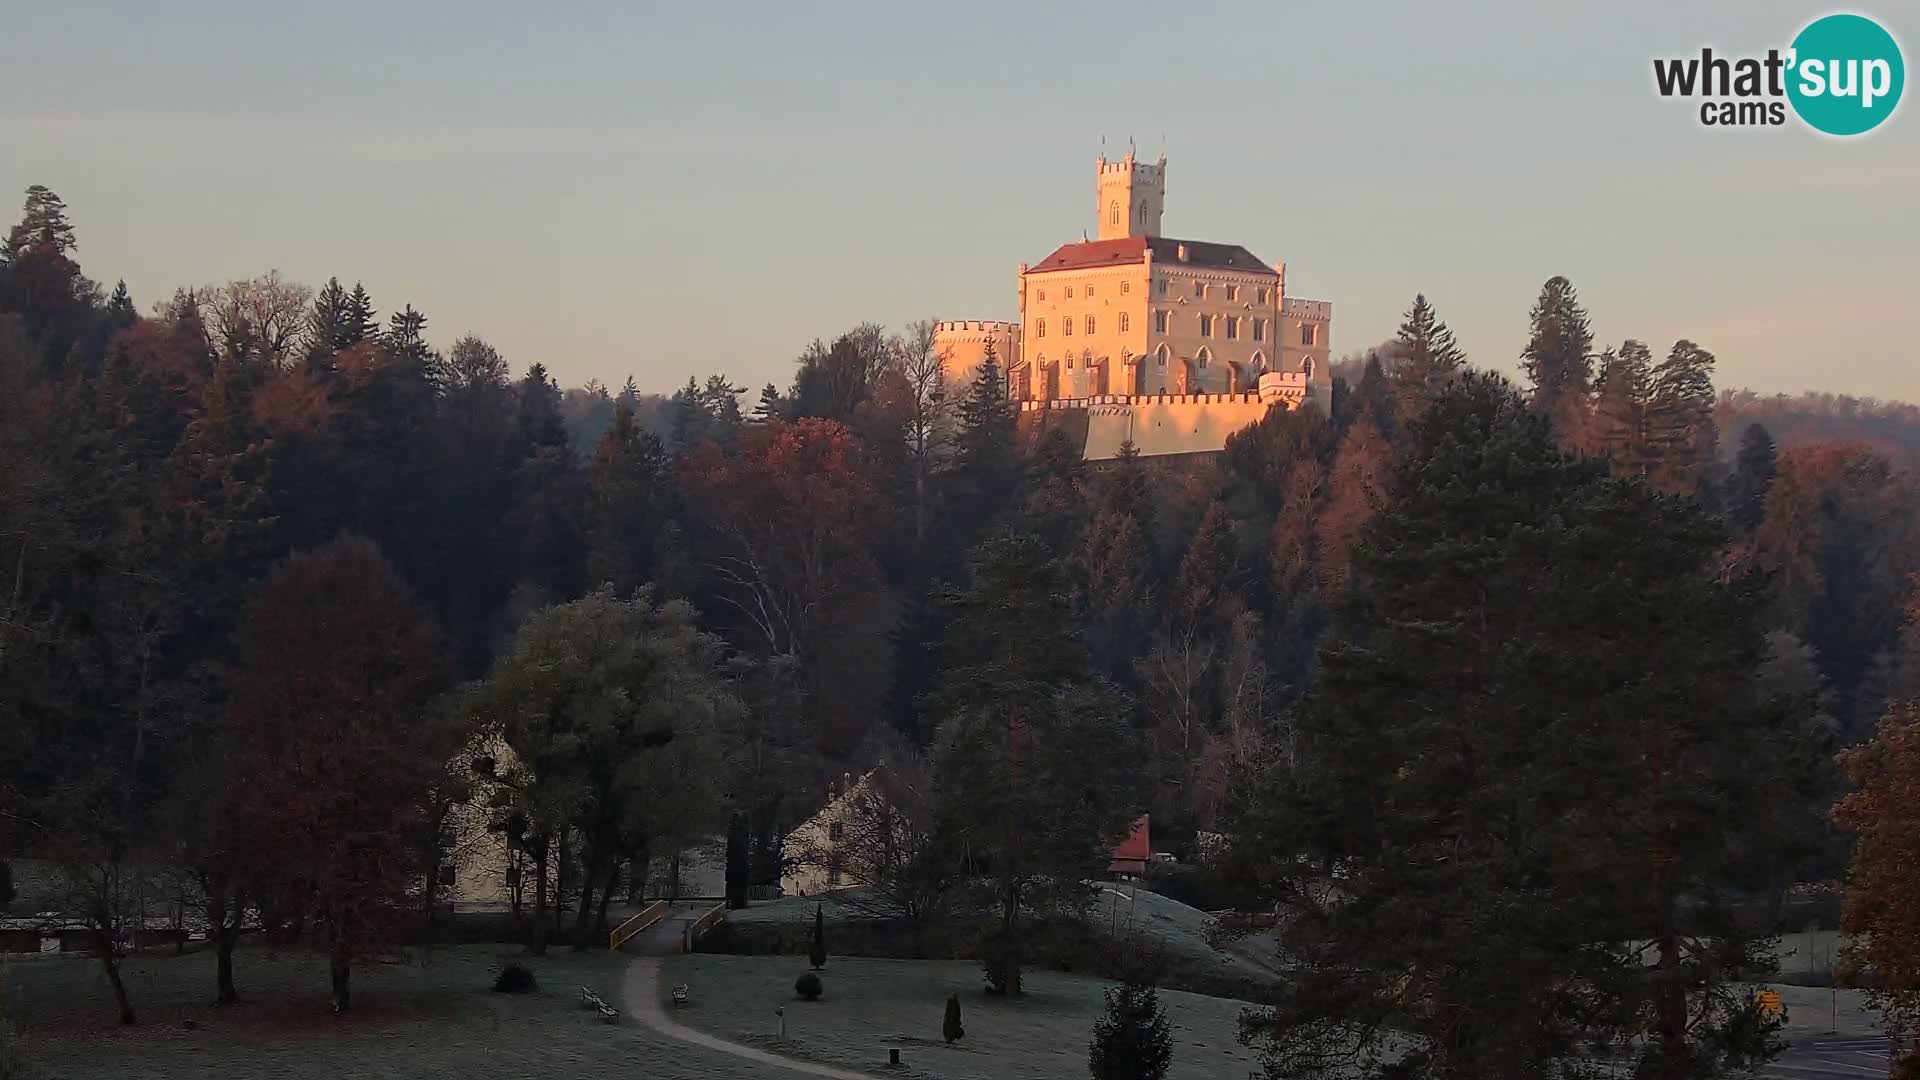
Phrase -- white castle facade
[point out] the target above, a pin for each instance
(1169, 344)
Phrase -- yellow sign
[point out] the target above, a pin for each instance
(1769, 1002)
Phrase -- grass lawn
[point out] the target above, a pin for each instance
(432, 1022)
(871, 1005)
(1117, 911)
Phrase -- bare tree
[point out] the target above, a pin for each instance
(883, 836)
(930, 412)
(261, 318)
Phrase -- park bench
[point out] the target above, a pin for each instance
(593, 1001)
(680, 994)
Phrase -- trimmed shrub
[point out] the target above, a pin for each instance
(515, 979)
(807, 986)
(950, 1027)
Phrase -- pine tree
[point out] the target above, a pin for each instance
(1126, 489)
(629, 490)
(43, 226)
(362, 322)
(1133, 1041)
(1055, 506)
(950, 1028)
(1681, 437)
(1558, 358)
(1037, 760)
(328, 327)
(817, 955)
(722, 401)
(770, 406)
(1427, 359)
(1498, 827)
(1753, 471)
(120, 311)
(692, 421)
(1622, 398)
(986, 462)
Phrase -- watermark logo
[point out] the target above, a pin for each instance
(1842, 75)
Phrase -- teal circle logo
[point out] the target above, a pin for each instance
(1845, 74)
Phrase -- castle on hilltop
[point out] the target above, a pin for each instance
(1169, 344)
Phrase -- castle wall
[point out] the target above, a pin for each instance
(962, 345)
(1160, 426)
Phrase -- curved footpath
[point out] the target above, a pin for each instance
(641, 988)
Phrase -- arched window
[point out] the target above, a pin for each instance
(1113, 213)
(1258, 363)
(1306, 368)
(1203, 358)
(1160, 356)
(1143, 213)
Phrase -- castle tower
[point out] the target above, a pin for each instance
(1129, 196)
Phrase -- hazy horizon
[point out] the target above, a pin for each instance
(665, 192)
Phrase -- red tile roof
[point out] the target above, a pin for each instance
(1132, 249)
(1130, 855)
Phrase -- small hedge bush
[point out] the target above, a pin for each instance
(807, 986)
(515, 979)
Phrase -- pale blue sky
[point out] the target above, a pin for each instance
(670, 188)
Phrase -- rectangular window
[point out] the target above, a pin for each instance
(1123, 322)
(1306, 333)
(1200, 290)
(446, 876)
(1069, 361)
(1042, 293)
(1040, 328)
(1161, 286)
(1066, 326)
(1069, 292)
(833, 869)
(1089, 292)
(1233, 292)
(1159, 322)
(1206, 326)
(513, 878)
(1090, 324)
(1259, 329)
(836, 830)
(1261, 296)
(1126, 287)
(1233, 328)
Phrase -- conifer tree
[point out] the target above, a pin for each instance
(328, 327)
(770, 406)
(120, 311)
(1428, 358)
(817, 954)
(43, 226)
(1037, 763)
(1558, 358)
(950, 1028)
(986, 462)
(1622, 397)
(1133, 1041)
(1498, 829)
(1681, 436)
(1753, 471)
(362, 322)
(692, 419)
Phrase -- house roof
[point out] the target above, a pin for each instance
(1132, 249)
(1131, 855)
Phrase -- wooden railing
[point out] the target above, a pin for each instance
(707, 920)
(646, 917)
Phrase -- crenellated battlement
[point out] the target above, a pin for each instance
(1310, 310)
(974, 326)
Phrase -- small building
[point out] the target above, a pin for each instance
(811, 857)
(1131, 855)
